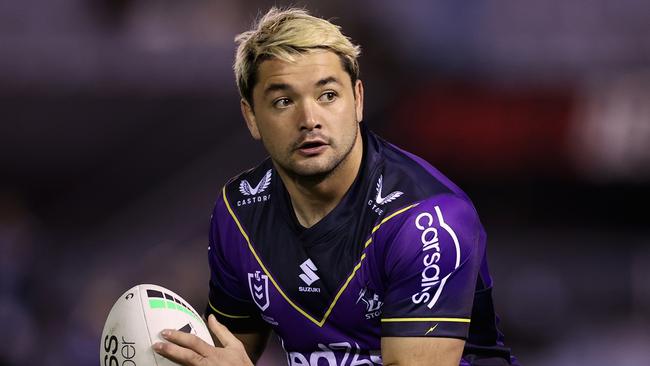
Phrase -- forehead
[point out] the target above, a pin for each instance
(307, 69)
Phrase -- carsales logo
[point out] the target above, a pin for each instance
(430, 275)
(336, 354)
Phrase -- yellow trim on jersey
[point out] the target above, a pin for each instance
(250, 247)
(345, 285)
(227, 315)
(452, 320)
(386, 219)
(393, 215)
(277, 287)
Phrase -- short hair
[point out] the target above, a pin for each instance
(284, 34)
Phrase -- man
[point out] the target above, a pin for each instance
(353, 251)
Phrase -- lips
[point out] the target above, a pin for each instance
(312, 143)
(312, 146)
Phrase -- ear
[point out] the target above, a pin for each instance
(358, 100)
(249, 117)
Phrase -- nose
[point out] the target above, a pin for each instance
(308, 116)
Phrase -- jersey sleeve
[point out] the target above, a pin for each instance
(228, 300)
(431, 262)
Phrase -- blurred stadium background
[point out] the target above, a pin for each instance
(120, 123)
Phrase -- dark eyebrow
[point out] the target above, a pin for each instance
(327, 80)
(284, 86)
(277, 86)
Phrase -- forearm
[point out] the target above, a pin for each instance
(413, 351)
(254, 343)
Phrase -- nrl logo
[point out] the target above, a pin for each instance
(247, 190)
(382, 200)
(259, 286)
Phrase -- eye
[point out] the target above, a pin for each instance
(328, 96)
(282, 103)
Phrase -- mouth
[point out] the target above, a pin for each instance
(312, 147)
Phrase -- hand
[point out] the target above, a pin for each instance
(189, 350)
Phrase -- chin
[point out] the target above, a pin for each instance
(314, 169)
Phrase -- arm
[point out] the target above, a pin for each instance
(400, 351)
(229, 310)
(229, 299)
(254, 343)
(432, 261)
(189, 350)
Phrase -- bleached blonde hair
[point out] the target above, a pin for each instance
(284, 34)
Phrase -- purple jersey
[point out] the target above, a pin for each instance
(403, 254)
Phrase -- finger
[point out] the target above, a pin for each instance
(178, 354)
(187, 340)
(222, 333)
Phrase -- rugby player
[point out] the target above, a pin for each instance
(353, 251)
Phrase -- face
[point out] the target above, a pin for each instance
(306, 113)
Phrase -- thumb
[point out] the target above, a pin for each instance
(222, 333)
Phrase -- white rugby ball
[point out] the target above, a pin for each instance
(135, 322)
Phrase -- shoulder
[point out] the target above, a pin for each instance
(442, 223)
(242, 197)
(415, 174)
(244, 193)
(434, 214)
(428, 258)
(402, 179)
(250, 185)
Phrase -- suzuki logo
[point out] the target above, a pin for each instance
(308, 275)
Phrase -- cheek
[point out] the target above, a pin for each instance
(275, 138)
(340, 116)
(345, 108)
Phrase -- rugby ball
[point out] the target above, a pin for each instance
(135, 321)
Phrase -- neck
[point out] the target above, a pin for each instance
(314, 197)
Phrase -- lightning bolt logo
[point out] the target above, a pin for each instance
(431, 329)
